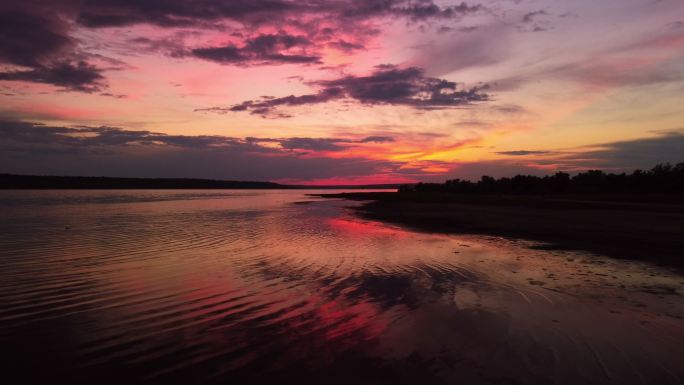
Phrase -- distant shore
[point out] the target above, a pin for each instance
(48, 182)
(643, 227)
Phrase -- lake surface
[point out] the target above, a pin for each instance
(276, 286)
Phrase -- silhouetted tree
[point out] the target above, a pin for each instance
(663, 178)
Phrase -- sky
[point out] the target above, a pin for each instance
(339, 91)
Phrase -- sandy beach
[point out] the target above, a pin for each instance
(648, 228)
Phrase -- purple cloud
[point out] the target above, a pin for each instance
(523, 152)
(38, 36)
(530, 16)
(262, 49)
(174, 13)
(39, 42)
(79, 76)
(388, 84)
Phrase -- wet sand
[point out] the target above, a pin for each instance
(643, 228)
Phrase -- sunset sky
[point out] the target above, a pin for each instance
(339, 91)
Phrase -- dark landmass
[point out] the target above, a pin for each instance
(648, 228)
(10, 181)
(642, 222)
(663, 178)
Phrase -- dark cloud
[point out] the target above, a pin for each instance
(174, 13)
(523, 152)
(266, 106)
(37, 43)
(349, 21)
(422, 10)
(509, 109)
(226, 54)
(314, 144)
(675, 25)
(538, 28)
(531, 16)
(407, 86)
(531, 22)
(42, 149)
(29, 148)
(32, 133)
(29, 39)
(386, 85)
(79, 76)
(328, 144)
(91, 137)
(343, 45)
(630, 154)
(323, 144)
(262, 49)
(621, 156)
(337, 24)
(171, 46)
(377, 139)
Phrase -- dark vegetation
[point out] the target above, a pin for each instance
(663, 178)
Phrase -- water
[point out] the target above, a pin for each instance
(254, 286)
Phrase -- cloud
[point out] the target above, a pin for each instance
(44, 149)
(266, 106)
(522, 152)
(28, 39)
(35, 134)
(531, 22)
(322, 144)
(616, 73)
(262, 49)
(37, 44)
(328, 144)
(531, 16)
(79, 76)
(346, 46)
(629, 154)
(675, 25)
(315, 144)
(486, 45)
(377, 139)
(55, 136)
(422, 10)
(388, 84)
(174, 13)
(343, 25)
(619, 156)
(31, 148)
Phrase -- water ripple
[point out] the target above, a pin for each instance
(196, 287)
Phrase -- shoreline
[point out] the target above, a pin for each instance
(644, 228)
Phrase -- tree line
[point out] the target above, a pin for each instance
(663, 178)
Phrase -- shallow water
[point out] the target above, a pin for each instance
(255, 286)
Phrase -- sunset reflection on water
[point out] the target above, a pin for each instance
(250, 286)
